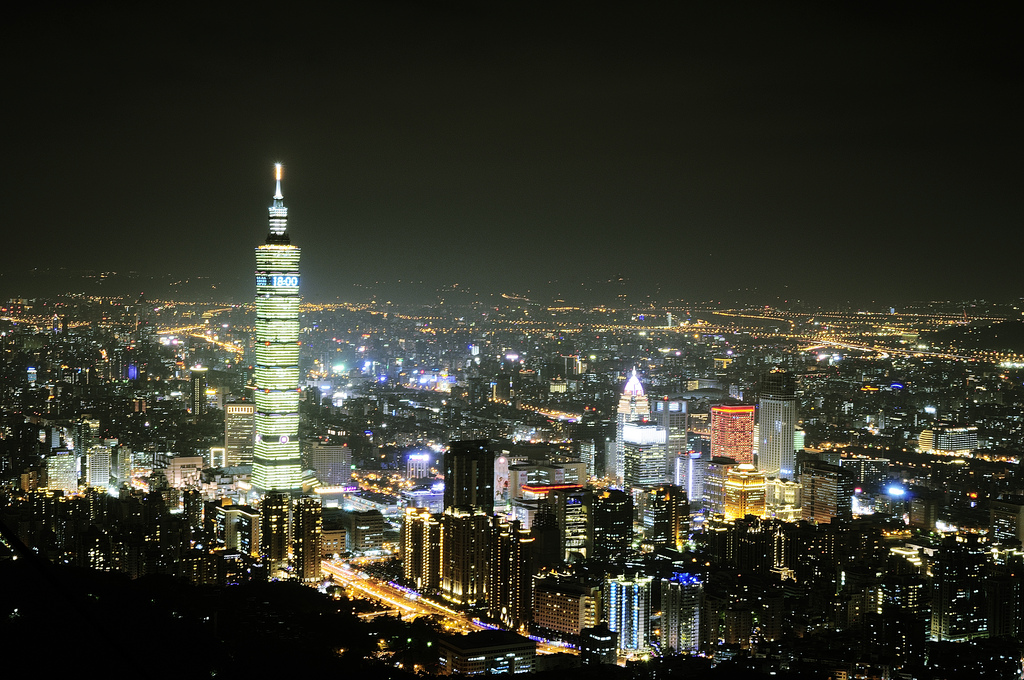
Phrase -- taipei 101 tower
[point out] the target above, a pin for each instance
(277, 467)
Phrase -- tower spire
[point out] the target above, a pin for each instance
(278, 213)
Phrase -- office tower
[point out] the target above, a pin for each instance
(667, 517)
(421, 549)
(732, 432)
(510, 573)
(197, 393)
(276, 456)
(633, 407)
(681, 599)
(670, 414)
(1006, 519)
(959, 612)
(364, 530)
(588, 455)
(238, 528)
(239, 429)
(469, 476)
(565, 605)
(716, 472)
(308, 534)
(744, 492)
(275, 532)
(571, 517)
(98, 466)
(332, 463)
(776, 421)
(62, 471)
(610, 514)
(826, 492)
(417, 465)
(464, 555)
(643, 454)
(627, 602)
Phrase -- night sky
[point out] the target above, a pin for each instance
(821, 151)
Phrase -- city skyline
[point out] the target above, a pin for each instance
(814, 153)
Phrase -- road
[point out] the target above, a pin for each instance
(411, 606)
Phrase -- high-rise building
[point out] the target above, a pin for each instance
(332, 463)
(418, 465)
(826, 492)
(588, 455)
(716, 473)
(510, 573)
(610, 516)
(275, 531)
(364, 530)
(959, 613)
(643, 454)
(633, 407)
(565, 605)
(776, 421)
(1007, 519)
(421, 549)
(670, 414)
(627, 601)
(744, 492)
(62, 471)
(732, 432)
(277, 463)
(98, 465)
(464, 556)
(681, 598)
(469, 476)
(124, 464)
(239, 429)
(238, 528)
(308, 534)
(197, 396)
(667, 517)
(568, 507)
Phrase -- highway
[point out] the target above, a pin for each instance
(410, 605)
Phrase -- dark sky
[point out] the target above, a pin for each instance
(815, 150)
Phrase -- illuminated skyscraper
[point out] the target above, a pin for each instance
(627, 603)
(276, 456)
(643, 454)
(681, 596)
(744, 492)
(777, 424)
(633, 406)
(670, 413)
(238, 433)
(197, 396)
(732, 432)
